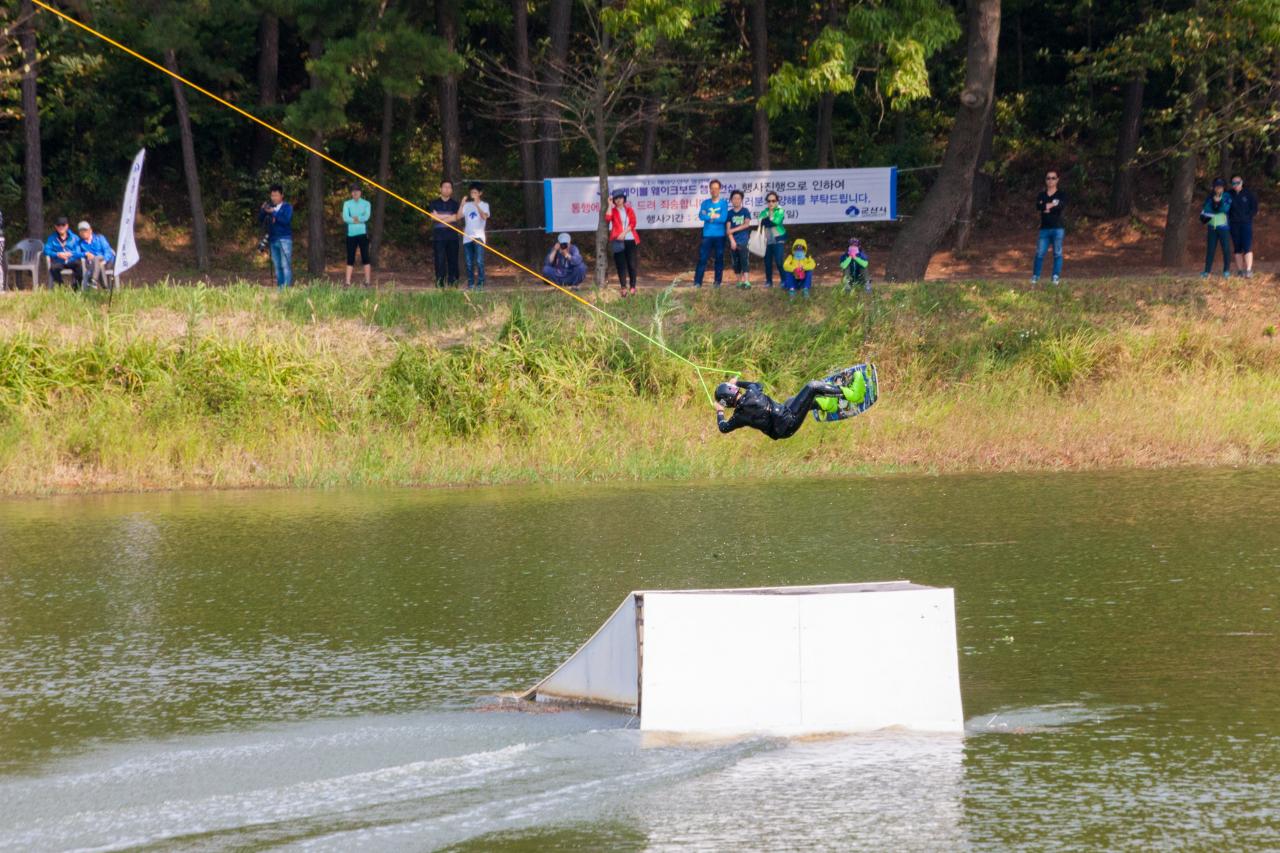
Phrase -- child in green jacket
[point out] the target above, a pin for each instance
(855, 265)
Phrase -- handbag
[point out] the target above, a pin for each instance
(758, 241)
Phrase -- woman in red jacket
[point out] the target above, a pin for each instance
(623, 240)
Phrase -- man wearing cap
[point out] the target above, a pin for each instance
(64, 253)
(564, 265)
(356, 212)
(1244, 206)
(97, 255)
(756, 409)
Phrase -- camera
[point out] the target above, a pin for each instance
(264, 242)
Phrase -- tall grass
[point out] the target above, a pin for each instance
(181, 387)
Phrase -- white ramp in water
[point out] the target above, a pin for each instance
(778, 660)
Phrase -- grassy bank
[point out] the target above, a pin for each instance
(227, 387)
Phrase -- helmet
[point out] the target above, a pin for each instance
(726, 394)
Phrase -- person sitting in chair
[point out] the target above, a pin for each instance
(64, 253)
(97, 255)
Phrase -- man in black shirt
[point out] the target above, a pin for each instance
(1244, 206)
(753, 408)
(1050, 203)
(444, 240)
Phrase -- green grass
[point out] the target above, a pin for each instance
(165, 387)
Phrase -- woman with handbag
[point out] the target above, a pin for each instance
(775, 237)
(623, 240)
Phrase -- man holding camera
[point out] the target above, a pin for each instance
(276, 216)
(564, 265)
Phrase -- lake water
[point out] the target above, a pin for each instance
(311, 669)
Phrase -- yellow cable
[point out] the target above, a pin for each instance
(298, 142)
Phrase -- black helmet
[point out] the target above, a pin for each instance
(726, 394)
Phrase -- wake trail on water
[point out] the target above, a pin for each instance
(420, 781)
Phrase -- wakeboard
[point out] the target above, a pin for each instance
(861, 390)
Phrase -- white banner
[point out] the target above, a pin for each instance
(126, 245)
(671, 201)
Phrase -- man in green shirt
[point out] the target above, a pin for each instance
(356, 212)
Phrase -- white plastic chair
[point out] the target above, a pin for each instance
(48, 264)
(28, 252)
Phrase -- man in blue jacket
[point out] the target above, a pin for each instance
(97, 254)
(64, 252)
(1244, 206)
(277, 217)
(714, 213)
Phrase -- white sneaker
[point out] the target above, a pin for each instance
(1035, 279)
(1055, 280)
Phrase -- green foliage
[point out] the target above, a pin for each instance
(891, 39)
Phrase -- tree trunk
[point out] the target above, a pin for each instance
(1225, 166)
(826, 114)
(264, 141)
(1181, 204)
(561, 14)
(526, 132)
(759, 82)
(649, 148)
(32, 165)
(602, 173)
(450, 124)
(315, 184)
(384, 175)
(199, 228)
(1122, 189)
(976, 202)
(1273, 155)
(924, 231)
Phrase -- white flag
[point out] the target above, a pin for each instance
(126, 245)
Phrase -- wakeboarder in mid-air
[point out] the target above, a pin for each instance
(753, 408)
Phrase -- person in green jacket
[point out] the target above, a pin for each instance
(855, 265)
(356, 212)
(775, 247)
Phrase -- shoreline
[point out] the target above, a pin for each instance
(180, 389)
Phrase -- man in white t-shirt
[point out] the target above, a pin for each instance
(475, 214)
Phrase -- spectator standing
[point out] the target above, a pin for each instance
(623, 240)
(1214, 214)
(64, 253)
(740, 224)
(714, 213)
(1050, 202)
(444, 240)
(564, 264)
(775, 235)
(1244, 206)
(97, 255)
(276, 216)
(475, 215)
(356, 212)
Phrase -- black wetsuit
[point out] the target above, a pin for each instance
(774, 419)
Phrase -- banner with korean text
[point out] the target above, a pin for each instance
(671, 201)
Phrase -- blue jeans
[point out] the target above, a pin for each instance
(282, 261)
(709, 245)
(789, 281)
(473, 252)
(1042, 246)
(773, 258)
(1216, 236)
